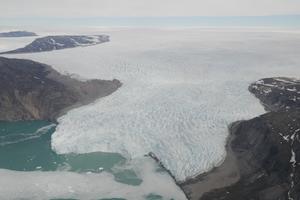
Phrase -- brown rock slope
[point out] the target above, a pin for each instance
(34, 91)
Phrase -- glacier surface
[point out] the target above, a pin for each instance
(181, 89)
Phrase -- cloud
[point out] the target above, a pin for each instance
(93, 8)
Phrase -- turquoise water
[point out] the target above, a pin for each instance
(26, 146)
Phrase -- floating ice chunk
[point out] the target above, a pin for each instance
(65, 185)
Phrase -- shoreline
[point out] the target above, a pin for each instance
(89, 91)
(226, 174)
(153, 156)
(222, 176)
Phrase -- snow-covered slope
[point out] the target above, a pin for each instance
(181, 90)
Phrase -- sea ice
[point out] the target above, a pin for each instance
(39, 185)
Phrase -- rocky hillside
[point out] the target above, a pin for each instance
(31, 90)
(277, 93)
(17, 34)
(266, 148)
(58, 42)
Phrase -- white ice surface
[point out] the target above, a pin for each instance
(181, 89)
(11, 43)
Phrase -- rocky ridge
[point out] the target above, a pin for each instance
(58, 42)
(34, 91)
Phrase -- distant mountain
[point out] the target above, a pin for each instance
(50, 43)
(34, 91)
(17, 34)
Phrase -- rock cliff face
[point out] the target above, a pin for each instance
(266, 148)
(31, 91)
(50, 43)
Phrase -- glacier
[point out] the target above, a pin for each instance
(181, 89)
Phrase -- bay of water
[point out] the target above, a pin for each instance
(26, 146)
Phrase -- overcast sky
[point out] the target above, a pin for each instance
(95, 8)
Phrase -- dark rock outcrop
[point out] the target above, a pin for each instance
(18, 34)
(266, 148)
(277, 93)
(50, 43)
(31, 91)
